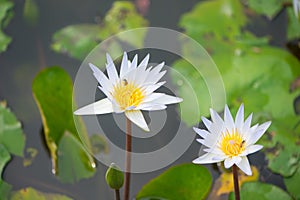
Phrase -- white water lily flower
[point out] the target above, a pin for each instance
(230, 141)
(131, 91)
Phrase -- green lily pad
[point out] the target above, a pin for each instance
(80, 39)
(5, 188)
(292, 184)
(5, 16)
(268, 8)
(32, 194)
(31, 12)
(293, 29)
(52, 89)
(261, 191)
(11, 134)
(182, 182)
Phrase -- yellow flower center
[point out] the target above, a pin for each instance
(232, 144)
(127, 94)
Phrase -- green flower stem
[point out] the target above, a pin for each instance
(128, 159)
(236, 182)
(117, 194)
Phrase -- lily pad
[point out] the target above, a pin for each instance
(80, 39)
(292, 184)
(5, 16)
(182, 182)
(52, 89)
(11, 133)
(261, 191)
(268, 8)
(5, 188)
(32, 194)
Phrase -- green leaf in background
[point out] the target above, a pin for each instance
(269, 8)
(5, 16)
(261, 191)
(218, 17)
(182, 182)
(80, 39)
(292, 184)
(31, 12)
(32, 194)
(11, 134)
(52, 89)
(73, 160)
(5, 188)
(293, 29)
(76, 40)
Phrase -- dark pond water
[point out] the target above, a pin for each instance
(29, 52)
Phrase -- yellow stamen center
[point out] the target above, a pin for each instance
(127, 94)
(232, 144)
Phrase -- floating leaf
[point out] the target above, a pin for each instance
(79, 40)
(5, 188)
(76, 40)
(261, 191)
(292, 184)
(52, 89)
(5, 16)
(182, 182)
(73, 160)
(268, 8)
(32, 194)
(293, 29)
(11, 134)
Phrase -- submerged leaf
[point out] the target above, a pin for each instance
(292, 184)
(32, 194)
(52, 89)
(182, 182)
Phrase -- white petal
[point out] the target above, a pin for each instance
(100, 107)
(134, 62)
(145, 61)
(124, 65)
(207, 158)
(153, 87)
(231, 161)
(253, 148)
(228, 120)
(112, 72)
(151, 106)
(215, 117)
(260, 130)
(137, 118)
(247, 133)
(166, 99)
(239, 118)
(202, 133)
(101, 78)
(245, 166)
(152, 97)
(247, 124)
(206, 122)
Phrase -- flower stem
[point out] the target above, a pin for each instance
(128, 159)
(117, 194)
(236, 182)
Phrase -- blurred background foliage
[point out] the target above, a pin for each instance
(264, 76)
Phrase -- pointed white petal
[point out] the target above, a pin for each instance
(145, 61)
(151, 106)
(247, 124)
(152, 97)
(245, 166)
(154, 87)
(239, 119)
(202, 133)
(247, 133)
(100, 107)
(124, 65)
(206, 159)
(253, 148)
(231, 161)
(228, 120)
(101, 78)
(206, 122)
(166, 99)
(260, 130)
(134, 62)
(111, 70)
(137, 118)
